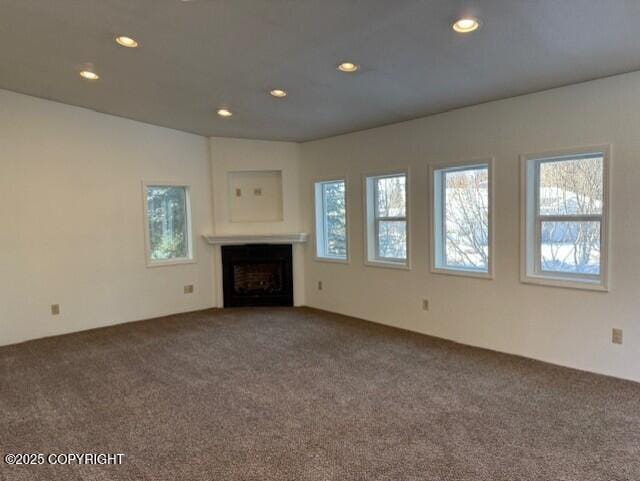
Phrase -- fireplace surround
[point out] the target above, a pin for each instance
(257, 275)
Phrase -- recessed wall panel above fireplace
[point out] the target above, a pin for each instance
(255, 196)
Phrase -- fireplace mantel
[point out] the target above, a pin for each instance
(226, 240)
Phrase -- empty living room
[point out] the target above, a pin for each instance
(337, 240)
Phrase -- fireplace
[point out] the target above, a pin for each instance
(257, 275)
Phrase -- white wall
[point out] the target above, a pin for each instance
(237, 155)
(233, 155)
(562, 326)
(72, 219)
(256, 196)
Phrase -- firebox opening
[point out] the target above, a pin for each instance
(257, 275)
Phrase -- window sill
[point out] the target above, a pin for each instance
(171, 262)
(462, 273)
(551, 281)
(388, 265)
(332, 260)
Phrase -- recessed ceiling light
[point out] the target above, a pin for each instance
(89, 75)
(126, 41)
(278, 93)
(466, 25)
(225, 113)
(348, 67)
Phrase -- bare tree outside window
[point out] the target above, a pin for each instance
(390, 203)
(570, 214)
(466, 218)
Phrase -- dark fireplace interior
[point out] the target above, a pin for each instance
(257, 275)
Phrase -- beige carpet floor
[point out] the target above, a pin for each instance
(300, 395)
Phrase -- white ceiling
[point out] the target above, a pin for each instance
(200, 55)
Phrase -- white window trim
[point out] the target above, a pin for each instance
(191, 258)
(436, 219)
(317, 256)
(370, 237)
(529, 274)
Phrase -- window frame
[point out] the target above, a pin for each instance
(191, 257)
(438, 216)
(318, 255)
(531, 271)
(372, 221)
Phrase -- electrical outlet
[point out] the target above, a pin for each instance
(425, 304)
(616, 336)
(55, 309)
(188, 289)
(319, 285)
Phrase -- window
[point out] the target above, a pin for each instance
(565, 219)
(386, 199)
(331, 220)
(168, 224)
(462, 235)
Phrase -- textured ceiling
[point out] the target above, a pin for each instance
(200, 55)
